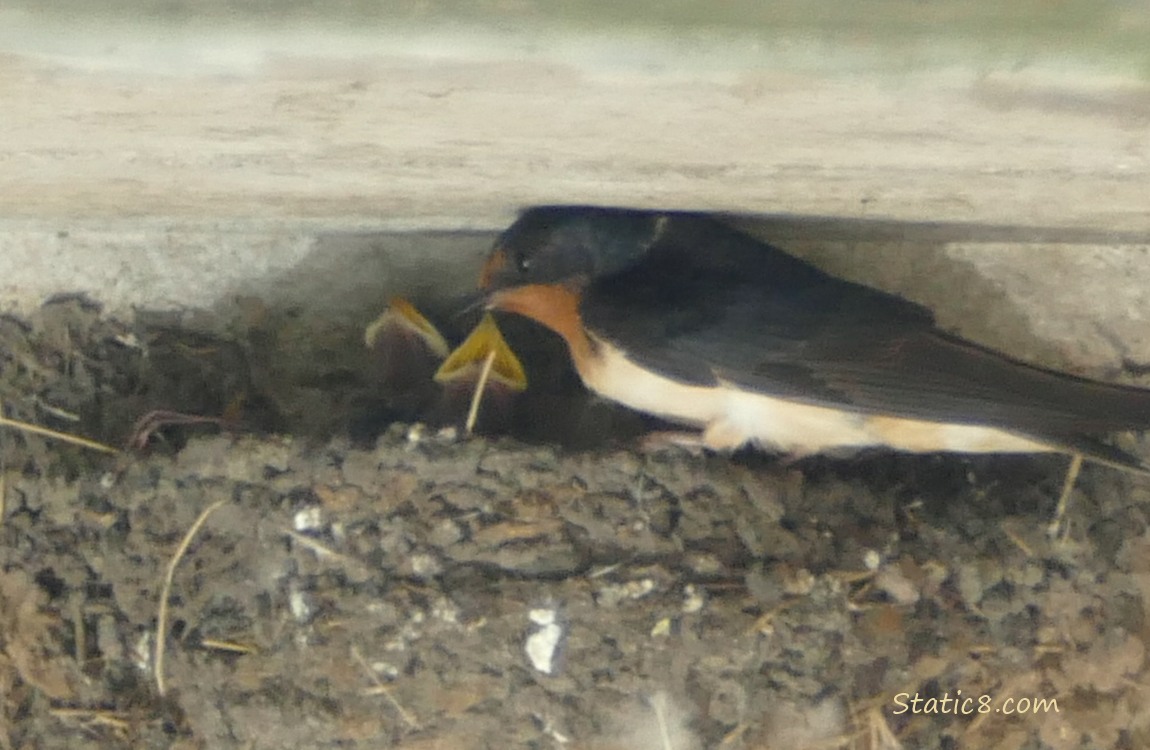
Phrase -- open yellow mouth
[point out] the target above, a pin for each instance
(470, 357)
(401, 318)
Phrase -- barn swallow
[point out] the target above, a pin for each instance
(679, 315)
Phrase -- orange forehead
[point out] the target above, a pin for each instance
(496, 262)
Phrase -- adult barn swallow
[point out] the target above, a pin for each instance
(681, 316)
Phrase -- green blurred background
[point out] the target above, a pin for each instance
(825, 35)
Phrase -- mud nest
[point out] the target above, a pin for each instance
(369, 583)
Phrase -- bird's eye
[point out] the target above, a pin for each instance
(522, 263)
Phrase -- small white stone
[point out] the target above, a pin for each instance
(872, 559)
(424, 565)
(299, 605)
(639, 589)
(541, 646)
(308, 519)
(799, 583)
(445, 610)
(385, 669)
(693, 599)
(142, 652)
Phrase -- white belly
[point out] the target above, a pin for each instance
(730, 417)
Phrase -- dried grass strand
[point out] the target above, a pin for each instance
(166, 590)
(57, 435)
(477, 397)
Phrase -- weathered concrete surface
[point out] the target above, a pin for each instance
(466, 142)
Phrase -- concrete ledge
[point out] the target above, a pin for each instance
(329, 126)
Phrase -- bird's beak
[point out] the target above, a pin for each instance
(474, 302)
(469, 357)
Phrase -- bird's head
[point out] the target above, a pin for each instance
(569, 245)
